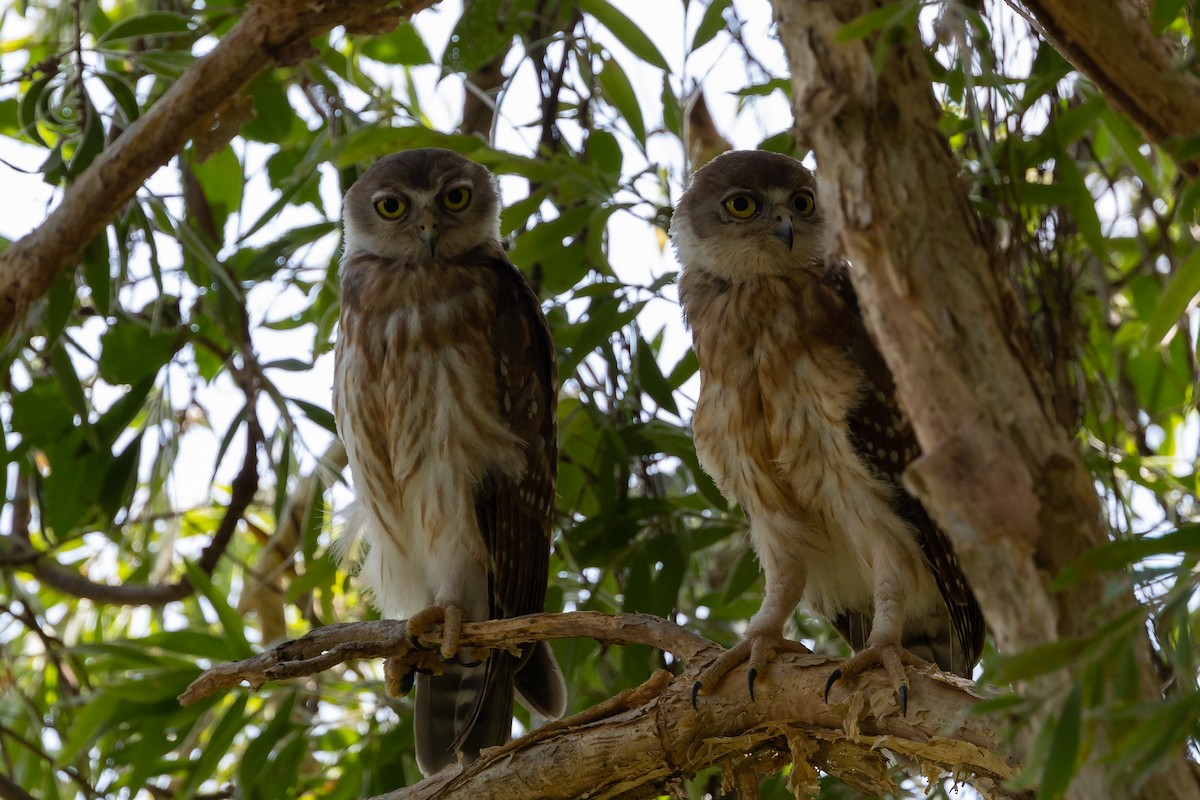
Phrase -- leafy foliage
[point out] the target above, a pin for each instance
(174, 384)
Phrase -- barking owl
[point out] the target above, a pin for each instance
(797, 421)
(445, 396)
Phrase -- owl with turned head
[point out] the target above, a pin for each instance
(445, 397)
(798, 422)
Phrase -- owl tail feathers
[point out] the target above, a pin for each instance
(464, 708)
(541, 686)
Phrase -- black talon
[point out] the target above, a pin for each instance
(422, 670)
(406, 683)
(465, 664)
(696, 693)
(751, 676)
(415, 641)
(833, 678)
(903, 700)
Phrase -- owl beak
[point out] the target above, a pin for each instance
(429, 229)
(783, 231)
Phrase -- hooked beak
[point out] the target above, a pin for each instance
(429, 230)
(783, 232)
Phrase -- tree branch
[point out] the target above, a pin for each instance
(270, 32)
(647, 737)
(1111, 42)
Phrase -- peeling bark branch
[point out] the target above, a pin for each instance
(645, 738)
(1111, 42)
(270, 32)
(998, 473)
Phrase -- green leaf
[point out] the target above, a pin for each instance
(219, 741)
(484, 31)
(158, 23)
(1061, 758)
(880, 19)
(1179, 293)
(232, 624)
(626, 31)
(619, 91)
(1121, 554)
(712, 23)
(744, 575)
(321, 416)
(132, 350)
(402, 46)
(651, 380)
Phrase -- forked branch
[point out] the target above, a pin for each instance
(648, 738)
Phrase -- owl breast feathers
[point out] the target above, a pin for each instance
(445, 396)
(797, 421)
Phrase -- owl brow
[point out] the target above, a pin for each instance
(736, 190)
(383, 194)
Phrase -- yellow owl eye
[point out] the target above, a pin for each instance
(390, 207)
(805, 203)
(741, 206)
(457, 198)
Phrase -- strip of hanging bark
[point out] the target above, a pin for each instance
(647, 737)
(270, 32)
(1148, 80)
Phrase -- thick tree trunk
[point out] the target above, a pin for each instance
(999, 473)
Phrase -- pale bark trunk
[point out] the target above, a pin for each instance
(999, 473)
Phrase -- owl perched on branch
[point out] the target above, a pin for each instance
(445, 396)
(797, 421)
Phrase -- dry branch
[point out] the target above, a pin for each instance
(270, 32)
(645, 738)
(1148, 80)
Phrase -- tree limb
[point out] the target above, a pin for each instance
(998, 473)
(647, 737)
(1111, 42)
(270, 32)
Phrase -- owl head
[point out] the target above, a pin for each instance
(749, 212)
(420, 206)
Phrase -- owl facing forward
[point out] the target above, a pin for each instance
(445, 397)
(797, 421)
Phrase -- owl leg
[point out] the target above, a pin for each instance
(883, 646)
(785, 578)
(451, 618)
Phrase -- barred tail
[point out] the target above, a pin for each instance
(464, 708)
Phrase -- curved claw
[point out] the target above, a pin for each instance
(422, 671)
(696, 693)
(466, 664)
(904, 700)
(830, 681)
(751, 677)
(415, 641)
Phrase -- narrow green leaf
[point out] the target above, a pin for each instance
(321, 416)
(158, 23)
(231, 622)
(1064, 749)
(651, 379)
(616, 87)
(222, 736)
(712, 23)
(879, 19)
(626, 31)
(1175, 299)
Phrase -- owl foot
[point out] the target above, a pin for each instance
(451, 617)
(889, 655)
(760, 648)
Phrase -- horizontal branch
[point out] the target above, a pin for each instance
(270, 32)
(327, 647)
(647, 738)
